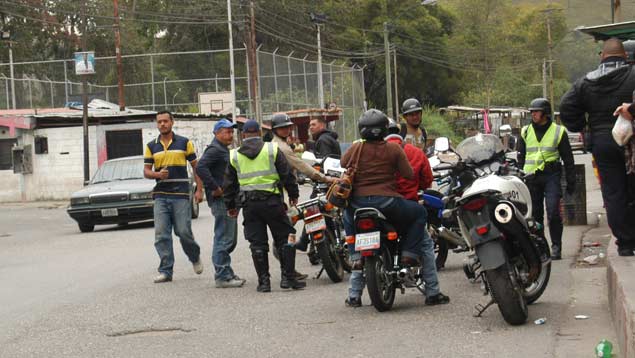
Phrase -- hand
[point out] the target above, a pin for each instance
(232, 213)
(293, 202)
(198, 195)
(623, 110)
(163, 174)
(331, 180)
(217, 192)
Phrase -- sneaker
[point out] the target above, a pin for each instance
(300, 276)
(162, 278)
(198, 267)
(438, 299)
(353, 302)
(231, 283)
(625, 251)
(236, 277)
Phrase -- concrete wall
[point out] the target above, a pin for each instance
(59, 173)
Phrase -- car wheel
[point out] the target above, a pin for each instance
(86, 227)
(195, 208)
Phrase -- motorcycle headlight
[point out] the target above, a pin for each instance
(140, 196)
(80, 201)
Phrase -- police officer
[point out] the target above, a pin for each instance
(255, 177)
(541, 146)
(591, 102)
(412, 131)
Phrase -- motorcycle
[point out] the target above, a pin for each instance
(323, 225)
(378, 242)
(510, 254)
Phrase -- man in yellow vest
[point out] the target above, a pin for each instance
(541, 146)
(254, 180)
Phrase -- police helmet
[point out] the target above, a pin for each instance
(280, 120)
(373, 125)
(541, 104)
(410, 105)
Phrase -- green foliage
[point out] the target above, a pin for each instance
(437, 125)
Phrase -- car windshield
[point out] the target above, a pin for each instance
(126, 169)
(479, 148)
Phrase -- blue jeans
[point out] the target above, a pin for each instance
(173, 213)
(225, 240)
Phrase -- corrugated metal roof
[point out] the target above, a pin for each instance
(621, 30)
(96, 109)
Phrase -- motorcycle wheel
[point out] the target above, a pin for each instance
(507, 295)
(381, 287)
(312, 254)
(440, 251)
(535, 290)
(331, 261)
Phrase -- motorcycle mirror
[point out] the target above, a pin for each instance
(441, 144)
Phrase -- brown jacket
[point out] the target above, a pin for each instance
(378, 164)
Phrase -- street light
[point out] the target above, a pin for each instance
(6, 36)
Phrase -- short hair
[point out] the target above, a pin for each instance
(166, 112)
(319, 119)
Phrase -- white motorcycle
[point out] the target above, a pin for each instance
(494, 215)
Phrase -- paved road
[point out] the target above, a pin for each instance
(64, 293)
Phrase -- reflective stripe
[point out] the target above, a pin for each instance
(265, 187)
(173, 180)
(271, 170)
(544, 149)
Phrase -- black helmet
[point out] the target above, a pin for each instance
(393, 127)
(629, 48)
(410, 105)
(373, 125)
(280, 120)
(541, 104)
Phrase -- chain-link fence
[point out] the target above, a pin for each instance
(174, 81)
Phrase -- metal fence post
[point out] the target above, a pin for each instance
(165, 94)
(252, 110)
(152, 79)
(306, 89)
(65, 84)
(30, 92)
(6, 88)
(290, 81)
(331, 81)
(52, 94)
(216, 81)
(342, 85)
(107, 94)
(259, 89)
(353, 88)
(275, 80)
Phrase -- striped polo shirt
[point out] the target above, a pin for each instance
(174, 157)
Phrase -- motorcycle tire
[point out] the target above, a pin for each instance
(381, 292)
(510, 300)
(312, 254)
(440, 251)
(331, 261)
(536, 289)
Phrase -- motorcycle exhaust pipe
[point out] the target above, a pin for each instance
(403, 273)
(450, 236)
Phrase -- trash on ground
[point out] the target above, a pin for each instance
(581, 316)
(604, 349)
(591, 260)
(540, 321)
(591, 244)
(601, 255)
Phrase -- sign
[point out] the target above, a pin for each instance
(85, 63)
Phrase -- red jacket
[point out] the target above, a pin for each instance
(422, 178)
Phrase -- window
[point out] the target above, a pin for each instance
(6, 146)
(124, 143)
(41, 145)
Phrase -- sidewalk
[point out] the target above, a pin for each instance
(621, 292)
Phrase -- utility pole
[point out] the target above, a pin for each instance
(544, 78)
(85, 99)
(6, 36)
(388, 75)
(318, 20)
(394, 54)
(253, 64)
(550, 48)
(616, 13)
(231, 59)
(122, 102)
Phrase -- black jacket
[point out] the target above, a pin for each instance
(326, 144)
(250, 148)
(564, 148)
(598, 94)
(211, 167)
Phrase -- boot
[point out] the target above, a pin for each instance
(555, 252)
(287, 269)
(261, 263)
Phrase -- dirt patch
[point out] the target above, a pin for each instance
(593, 246)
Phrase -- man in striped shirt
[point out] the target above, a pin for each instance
(165, 161)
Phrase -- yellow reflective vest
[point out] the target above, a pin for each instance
(539, 153)
(259, 173)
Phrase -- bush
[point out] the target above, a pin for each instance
(438, 125)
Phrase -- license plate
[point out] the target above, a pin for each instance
(316, 225)
(109, 212)
(367, 241)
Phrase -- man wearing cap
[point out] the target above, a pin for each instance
(211, 169)
(412, 131)
(256, 174)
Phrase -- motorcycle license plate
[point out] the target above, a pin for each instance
(109, 212)
(315, 225)
(367, 241)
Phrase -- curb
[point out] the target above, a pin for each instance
(621, 298)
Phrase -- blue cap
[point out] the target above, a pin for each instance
(223, 123)
(251, 126)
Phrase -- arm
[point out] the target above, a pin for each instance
(402, 164)
(572, 110)
(425, 175)
(287, 178)
(190, 156)
(203, 169)
(231, 189)
(301, 166)
(569, 164)
(521, 152)
(148, 161)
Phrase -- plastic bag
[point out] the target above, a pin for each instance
(622, 131)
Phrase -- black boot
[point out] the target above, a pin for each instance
(555, 252)
(261, 263)
(287, 268)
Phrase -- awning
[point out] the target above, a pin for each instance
(622, 30)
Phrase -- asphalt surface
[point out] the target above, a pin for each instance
(65, 293)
